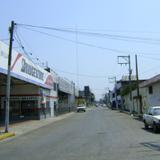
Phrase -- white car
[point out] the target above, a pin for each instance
(81, 108)
(152, 118)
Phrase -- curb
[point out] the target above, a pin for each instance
(135, 116)
(18, 131)
(6, 135)
(38, 124)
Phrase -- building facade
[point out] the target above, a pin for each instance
(151, 92)
(32, 94)
(67, 93)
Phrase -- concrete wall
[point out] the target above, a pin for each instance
(128, 105)
(151, 99)
(134, 105)
(53, 101)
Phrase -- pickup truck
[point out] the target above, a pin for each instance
(81, 108)
(152, 118)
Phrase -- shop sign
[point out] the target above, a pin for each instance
(31, 70)
(23, 68)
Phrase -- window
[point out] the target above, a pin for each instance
(156, 111)
(55, 86)
(150, 89)
(149, 111)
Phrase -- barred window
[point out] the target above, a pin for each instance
(150, 90)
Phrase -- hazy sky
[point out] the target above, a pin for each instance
(135, 18)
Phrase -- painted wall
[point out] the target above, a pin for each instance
(134, 105)
(154, 98)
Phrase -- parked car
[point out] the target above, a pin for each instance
(152, 118)
(113, 106)
(81, 108)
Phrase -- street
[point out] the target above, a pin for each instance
(97, 134)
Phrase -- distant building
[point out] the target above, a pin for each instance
(121, 89)
(67, 93)
(87, 96)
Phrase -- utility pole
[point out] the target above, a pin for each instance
(11, 29)
(137, 78)
(127, 61)
(130, 72)
(114, 80)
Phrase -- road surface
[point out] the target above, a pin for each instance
(97, 134)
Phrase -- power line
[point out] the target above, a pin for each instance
(22, 38)
(71, 73)
(81, 75)
(148, 70)
(104, 35)
(89, 44)
(149, 57)
(40, 63)
(4, 39)
(89, 29)
(79, 42)
(18, 40)
(77, 57)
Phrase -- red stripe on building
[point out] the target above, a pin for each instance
(32, 95)
(18, 56)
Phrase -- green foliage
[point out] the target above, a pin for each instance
(80, 101)
(126, 89)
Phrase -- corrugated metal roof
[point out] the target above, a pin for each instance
(150, 81)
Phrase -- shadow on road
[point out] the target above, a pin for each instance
(138, 119)
(152, 145)
(150, 130)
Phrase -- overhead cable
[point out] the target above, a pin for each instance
(80, 42)
(104, 35)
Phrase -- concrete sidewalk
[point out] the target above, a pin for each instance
(27, 126)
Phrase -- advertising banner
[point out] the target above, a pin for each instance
(24, 68)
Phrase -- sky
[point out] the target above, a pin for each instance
(83, 64)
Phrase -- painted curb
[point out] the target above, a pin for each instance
(6, 135)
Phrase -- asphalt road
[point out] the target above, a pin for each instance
(98, 134)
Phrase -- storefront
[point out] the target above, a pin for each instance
(66, 93)
(33, 91)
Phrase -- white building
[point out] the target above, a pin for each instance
(67, 92)
(33, 93)
(151, 92)
(150, 95)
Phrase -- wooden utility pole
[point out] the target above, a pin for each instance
(127, 61)
(11, 29)
(130, 73)
(114, 80)
(137, 79)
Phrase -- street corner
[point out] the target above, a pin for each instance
(6, 135)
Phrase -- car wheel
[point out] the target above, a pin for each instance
(155, 129)
(145, 125)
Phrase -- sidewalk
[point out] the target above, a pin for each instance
(27, 126)
(135, 116)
